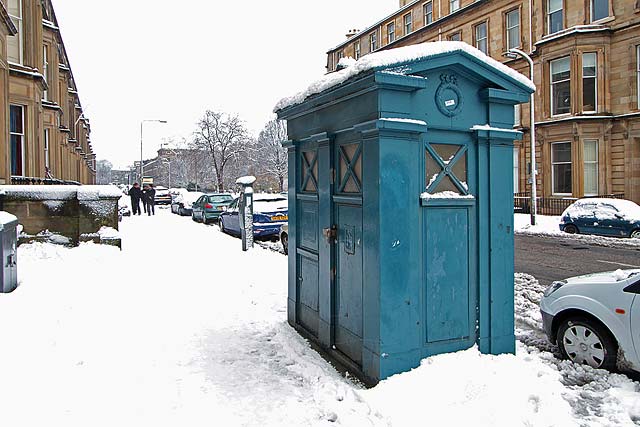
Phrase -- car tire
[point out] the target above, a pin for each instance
(204, 220)
(571, 229)
(586, 341)
(193, 217)
(635, 234)
(284, 239)
(221, 225)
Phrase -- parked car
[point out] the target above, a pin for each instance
(270, 213)
(162, 196)
(284, 238)
(184, 202)
(595, 319)
(606, 217)
(209, 206)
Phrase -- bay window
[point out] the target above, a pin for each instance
(560, 86)
(15, 43)
(561, 168)
(590, 167)
(589, 82)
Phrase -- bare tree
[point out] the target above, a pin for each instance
(103, 172)
(268, 152)
(225, 137)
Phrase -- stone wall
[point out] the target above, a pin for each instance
(70, 211)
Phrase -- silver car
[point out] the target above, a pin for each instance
(595, 319)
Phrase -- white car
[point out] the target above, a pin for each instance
(595, 319)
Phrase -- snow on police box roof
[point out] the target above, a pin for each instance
(393, 57)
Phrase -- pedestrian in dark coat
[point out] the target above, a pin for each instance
(136, 194)
(144, 197)
(150, 195)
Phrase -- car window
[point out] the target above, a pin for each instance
(220, 199)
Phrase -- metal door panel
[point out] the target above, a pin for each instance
(308, 293)
(348, 284)
(448, 294)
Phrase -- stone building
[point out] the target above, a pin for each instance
(44, 134)
(586, 56)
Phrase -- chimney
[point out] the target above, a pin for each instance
(352, 33)
(403, 3)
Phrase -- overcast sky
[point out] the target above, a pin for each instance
(155, 59)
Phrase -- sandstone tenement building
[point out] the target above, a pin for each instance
(44, 134)
(586, 57)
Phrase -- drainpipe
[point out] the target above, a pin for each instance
(530, 26)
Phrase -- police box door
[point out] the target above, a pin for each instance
(346, 235)
(449, 227)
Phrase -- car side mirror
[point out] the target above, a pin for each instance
(619, 216)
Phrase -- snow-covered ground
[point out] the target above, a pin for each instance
(547, 225)
(183, 328)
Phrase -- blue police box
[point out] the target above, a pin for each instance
(401, 207)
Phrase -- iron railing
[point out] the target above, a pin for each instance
(29, 180)
(551, 205)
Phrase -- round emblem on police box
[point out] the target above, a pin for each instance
(449, 99)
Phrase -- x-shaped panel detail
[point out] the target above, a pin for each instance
(308, 166)
(447, 169)
(350, 173)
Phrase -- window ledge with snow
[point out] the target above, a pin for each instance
(446, 198)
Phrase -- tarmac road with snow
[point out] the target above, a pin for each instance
(550, 258)
(182, 328)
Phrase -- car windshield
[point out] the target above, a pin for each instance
(220, 199)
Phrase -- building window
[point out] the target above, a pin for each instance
(373, 41)
(356, 50)
(599, 9)
(455, 37)
(589, 82)
(45, 72)
(428, 13)
(46, 150)
(513, 28)
(391, 32)
(591, 167)
(516, 170)
(16, 131)
(561, 168)
(560, 86)
(480, 33)
(516, 115)
(555, 20)
(454, 5)
(15, 43)
(408, 23)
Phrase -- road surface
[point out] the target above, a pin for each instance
(550, 258)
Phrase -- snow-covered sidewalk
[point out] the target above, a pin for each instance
(183, 328)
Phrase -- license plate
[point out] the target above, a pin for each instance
(280, 218)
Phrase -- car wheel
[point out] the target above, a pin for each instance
(587, 342)
(571, 229)
(193, 217)
(635, 234)
(284, 239)
(221, 225)
(204, 219)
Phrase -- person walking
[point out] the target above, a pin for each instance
(136, 194)
(144, 197)
(150, 195)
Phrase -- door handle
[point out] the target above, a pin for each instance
(330, 234)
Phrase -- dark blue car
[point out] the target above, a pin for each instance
(606, 217)
(270, 212)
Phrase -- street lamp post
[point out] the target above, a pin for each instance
(513, 53)
(141, 160)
